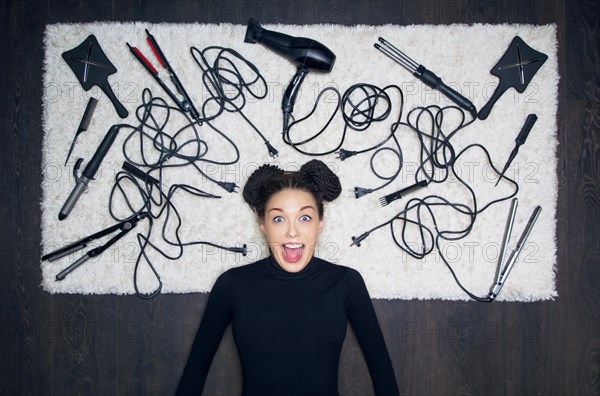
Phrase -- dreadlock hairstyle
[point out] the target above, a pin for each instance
(314, 177)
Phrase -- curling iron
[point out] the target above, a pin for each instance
(81, 182)
(425, 75)
(306, 53)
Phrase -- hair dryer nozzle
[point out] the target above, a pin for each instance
(254, 32)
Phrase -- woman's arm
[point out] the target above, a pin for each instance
(368, 333)
(217, 316)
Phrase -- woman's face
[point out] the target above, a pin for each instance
(292, 226)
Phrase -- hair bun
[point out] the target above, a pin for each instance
(325, 180)
(255, 181)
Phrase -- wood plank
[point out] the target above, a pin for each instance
(26, 311)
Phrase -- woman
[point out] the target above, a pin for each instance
(289, 311)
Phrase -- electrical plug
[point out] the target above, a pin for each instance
(361, 191)
(227, 186)
(272, 150)
(343, 154)
(357, 240)
(238, 249)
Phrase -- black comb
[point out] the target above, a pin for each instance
(84, 123)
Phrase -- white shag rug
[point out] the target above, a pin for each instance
(461, 55)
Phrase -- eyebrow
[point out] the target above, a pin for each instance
(301, 209)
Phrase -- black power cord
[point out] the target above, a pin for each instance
(363, 105)
(228, 79)
(296, 145)
(141, 187)
(437, 162)
(418, 210)
(141, 193)
(437, 153)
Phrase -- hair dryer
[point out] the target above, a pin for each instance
(304, 52)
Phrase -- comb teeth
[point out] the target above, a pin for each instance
(384, 201)
(87, 115)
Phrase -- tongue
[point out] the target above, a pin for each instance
(292, 255)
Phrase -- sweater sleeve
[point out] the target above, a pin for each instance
(363, 319)
(217, 316)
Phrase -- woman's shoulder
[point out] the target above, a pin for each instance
(347, 272)
(246, 269)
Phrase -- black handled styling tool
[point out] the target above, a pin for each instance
(124, 227)
(386, 200)
(92, 67)
(89, 172)
(425, 75)
(306, 53)
(185, 104)
(515, 69)
(505, 266)
(519, 141)
(84, 123)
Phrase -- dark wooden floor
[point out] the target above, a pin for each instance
(113, 345)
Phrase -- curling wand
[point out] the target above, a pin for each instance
(425, 75)
(81, 182)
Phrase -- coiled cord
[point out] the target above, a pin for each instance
(296, 145)
(363, 105)
(228, 79)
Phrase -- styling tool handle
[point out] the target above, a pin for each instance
(65, 251)
(398, 194)
(433, 81)
(92, 167)
(289, 97)
(140, 174)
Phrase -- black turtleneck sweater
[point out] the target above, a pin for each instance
(289, 329)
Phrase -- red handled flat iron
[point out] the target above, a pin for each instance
(183, 101)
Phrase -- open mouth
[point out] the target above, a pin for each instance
(292, 252)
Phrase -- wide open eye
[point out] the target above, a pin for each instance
(305, 218)
(278, 219)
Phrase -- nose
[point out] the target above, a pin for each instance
(292, 232)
